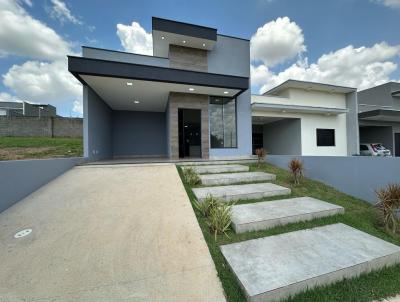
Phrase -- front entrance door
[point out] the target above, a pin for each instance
(397, 144)
(189, 124)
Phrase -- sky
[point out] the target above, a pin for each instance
(352, 43)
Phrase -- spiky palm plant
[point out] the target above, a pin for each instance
(220, 218)
(389, 203)
(191, 177)
(261, 154)
(296, 168)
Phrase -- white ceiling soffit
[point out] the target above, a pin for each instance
(261, 120)
(144, 95)
(309, 86)
(297, 109)
(161, 45)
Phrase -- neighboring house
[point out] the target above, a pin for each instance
(22, 108)
(190, 99)
(379, 116)
(305, 118)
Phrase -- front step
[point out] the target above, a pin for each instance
(231, 178)
(209, 169)
(276, 267)
(268, 214)
(218, 162)
(236, 192)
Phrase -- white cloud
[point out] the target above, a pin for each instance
(22, 35)
(78, 107)
(361, 67)
(6, 97)
(135, 39)
(61, 12)
(276, 42)
(43, 82)
(389, 3)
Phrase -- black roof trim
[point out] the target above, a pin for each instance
(185, 29)
(89, 66)
(233, 37)
(376, 112)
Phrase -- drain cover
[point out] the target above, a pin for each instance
(23, 233)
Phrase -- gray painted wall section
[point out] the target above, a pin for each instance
(97, 126)
(104, 54)
(230, 56)
(244, 139)
(352, 124)
(19, 178)
(358, 176)
(137, 133)
(283, 137)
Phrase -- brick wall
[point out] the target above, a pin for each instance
(45, 126)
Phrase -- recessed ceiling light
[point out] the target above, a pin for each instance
(162, 37)
(129, 83)
(183, 41)
(136, 102)
(204, 44)
(191, 89)
(226, 92)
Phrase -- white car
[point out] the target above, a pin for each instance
(374, 149)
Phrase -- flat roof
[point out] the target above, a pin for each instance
(297, 108)
(309, 86)
(386, 115)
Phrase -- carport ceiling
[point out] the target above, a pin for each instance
(144, 95)
(261, 120)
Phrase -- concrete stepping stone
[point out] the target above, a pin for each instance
(236, 192)
(209, 169)
(268, 214)
(276, 267)
(231, 178)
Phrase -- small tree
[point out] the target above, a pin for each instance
(261, 154)
(388, 203)
(296, 168)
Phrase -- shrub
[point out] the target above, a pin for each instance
(191, 177)
(296, 168)
(205, 206)
(261, 154)
(388, 203)
(220, 218)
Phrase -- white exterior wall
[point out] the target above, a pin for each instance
(311, 122)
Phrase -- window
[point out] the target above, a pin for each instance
(363, 147)
(325, 137)
(222, 122)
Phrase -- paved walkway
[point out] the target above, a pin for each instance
(107, 233)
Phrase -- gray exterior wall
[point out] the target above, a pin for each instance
(283, 137)
(97, 127)
(352, 131)
(379, 96)
(354, 175)
(19, 178)
(243, 128)
(230, 56)
(137, 133)
(110, 55)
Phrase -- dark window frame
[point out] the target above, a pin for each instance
(236, 128)
(318, 138)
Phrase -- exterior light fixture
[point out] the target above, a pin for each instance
(191, 89)
(136, 102)
(129, 84)
(204, 44)
(226, 92)
(162, 37)
(183, 41)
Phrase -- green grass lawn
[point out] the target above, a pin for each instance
(358, 214)
(12, 148)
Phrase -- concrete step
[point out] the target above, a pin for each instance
(209, 169)
(268, 214)
(231, 178)
(236, 192)
(276, 267)
(217, 162)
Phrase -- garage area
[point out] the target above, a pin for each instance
(377, 134)
(277, 135)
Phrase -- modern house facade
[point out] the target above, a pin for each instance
(305, 118)
(379, 116)
(22, 108)
(191, 99)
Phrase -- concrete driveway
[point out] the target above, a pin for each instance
(107, 233)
